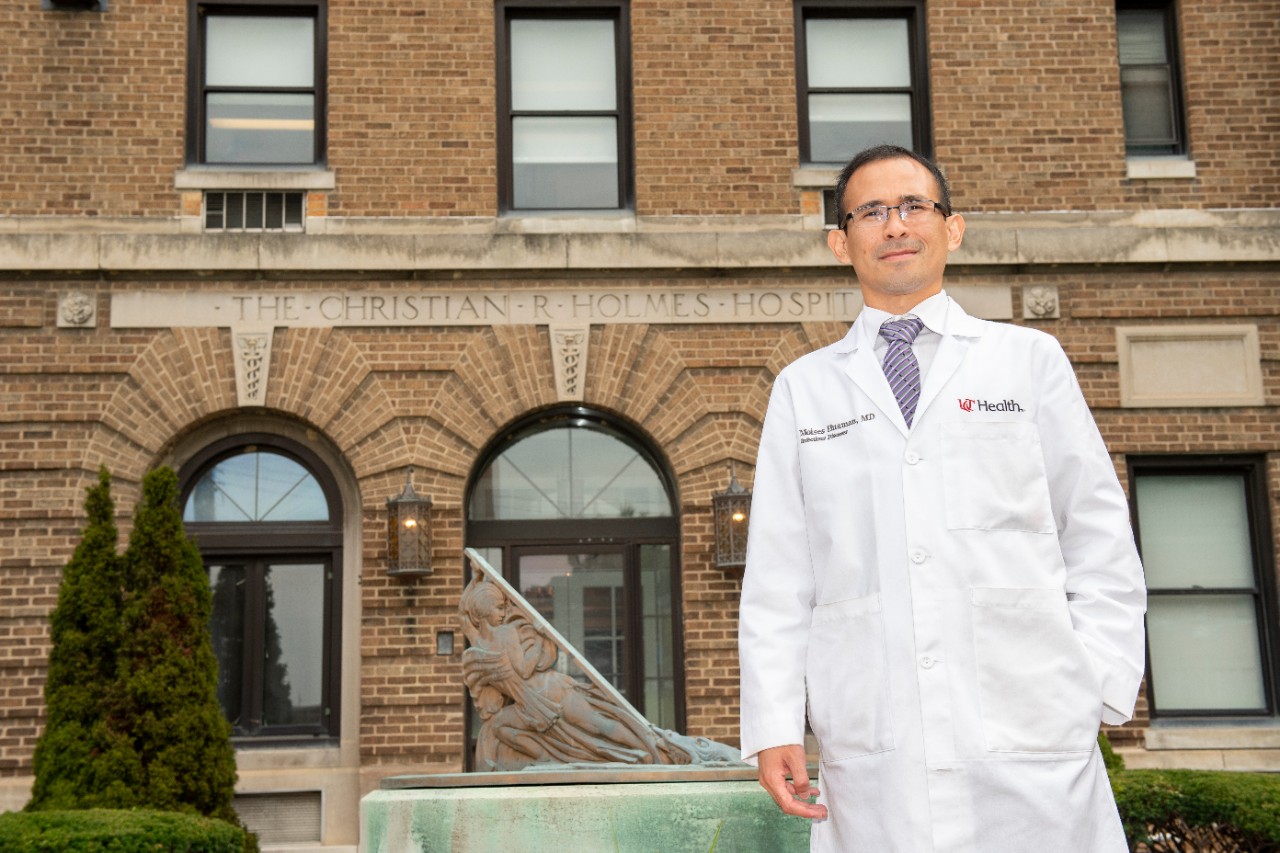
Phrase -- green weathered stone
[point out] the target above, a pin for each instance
(619, 817)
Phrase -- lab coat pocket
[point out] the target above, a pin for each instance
(847, 679)
(1036, 687)
(994, 477)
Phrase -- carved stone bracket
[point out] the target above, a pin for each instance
(77, 310)
(569, 359)
(252, 348)
(1040, 302)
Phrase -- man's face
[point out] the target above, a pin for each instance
(898, 264)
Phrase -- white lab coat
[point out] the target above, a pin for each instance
(961, 603)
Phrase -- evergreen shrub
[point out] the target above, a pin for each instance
(119, 831)
(133, 719)
(1212, 810)
(85, 628)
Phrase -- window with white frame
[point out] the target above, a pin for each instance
(1202, 526)
(1146, 31)
(564, 97)
(861, 78)
(257, 74)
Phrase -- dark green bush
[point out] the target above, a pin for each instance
(1112, 759)
(85, 628)
(133, 714)
(175, 747)
(1166, 809)
(118, 831)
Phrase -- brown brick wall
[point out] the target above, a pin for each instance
(433, 398)
(1025, 104)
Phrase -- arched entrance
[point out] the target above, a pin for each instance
(579, 513)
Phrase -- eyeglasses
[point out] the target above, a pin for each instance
(915, 210)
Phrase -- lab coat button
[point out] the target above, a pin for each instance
(912, 457)
(927, 662)
(918, 556)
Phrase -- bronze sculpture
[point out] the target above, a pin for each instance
(533, 712)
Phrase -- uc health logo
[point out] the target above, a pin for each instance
(968, 404)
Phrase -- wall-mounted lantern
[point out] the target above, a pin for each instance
(409, 532)
(732, 511)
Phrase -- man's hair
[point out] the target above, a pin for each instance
(889, 152)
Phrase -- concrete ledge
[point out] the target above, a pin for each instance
(692, 243)
(1214, 737)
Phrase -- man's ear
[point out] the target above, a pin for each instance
(955, 231)
(837, 242)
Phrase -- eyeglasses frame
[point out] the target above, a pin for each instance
(901, 208)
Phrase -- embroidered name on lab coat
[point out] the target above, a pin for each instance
(833, 431)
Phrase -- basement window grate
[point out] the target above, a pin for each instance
(254, 211)
(281, 818)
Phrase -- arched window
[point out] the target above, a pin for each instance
(580, 514)
(268, 520)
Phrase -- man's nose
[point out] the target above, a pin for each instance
(893, 225)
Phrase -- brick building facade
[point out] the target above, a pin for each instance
(340, 239)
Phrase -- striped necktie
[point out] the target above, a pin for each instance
(900, 365)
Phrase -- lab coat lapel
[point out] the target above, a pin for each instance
(961, 330)
(951, 351)
(868, 375)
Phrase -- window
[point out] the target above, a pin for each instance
(579, 515)
(268, 521)
(257, 76)
(1149, 87)
(862, 78)
(1202, 525)
(564, 107)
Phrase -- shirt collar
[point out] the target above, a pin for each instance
(933, 311)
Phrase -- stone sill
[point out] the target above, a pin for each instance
(270, 179)
(1159, 168)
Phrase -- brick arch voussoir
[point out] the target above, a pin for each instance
(644, 367)
(501, 372)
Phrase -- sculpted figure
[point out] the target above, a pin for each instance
(532, 713)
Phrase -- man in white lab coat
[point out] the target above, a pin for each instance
(943, 575)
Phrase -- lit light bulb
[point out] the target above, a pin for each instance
(411, 522)
(739, 515)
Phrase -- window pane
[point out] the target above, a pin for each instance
(256, 487)
(659, 643)
(259, 52)
(1195, 532)
(842, 125)
(1204, 653)
(583, 597)
(562, 65)
(260, 128)
(1141, 36)
(857, 53)
(570, 472)
(565, 162)
(227, 628)
(1147, 98)
(294, 644)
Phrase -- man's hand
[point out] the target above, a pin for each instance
(776, 764)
